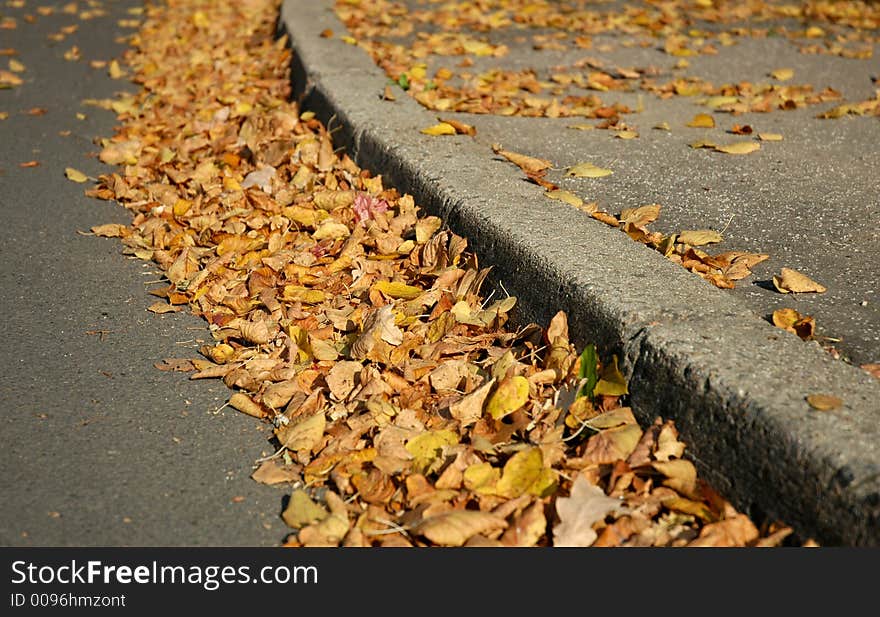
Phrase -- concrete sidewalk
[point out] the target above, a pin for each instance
(705, 357)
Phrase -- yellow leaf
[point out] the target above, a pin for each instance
(626, 134)
(427, 448)
(297, 293)
(720, 101)
(302, 511)
(481, 478)
(75, 174)
(702, 121)
(587, 170)
(115, 70)
(566, 196)
(699, 237)
(611, 381)
(824, 402)
(15, 66)
(524, 472)
(769, 136)
(443, 128)
(511, 394)
(398, 290)
(782, 74)
(739, 147)
(792, 281)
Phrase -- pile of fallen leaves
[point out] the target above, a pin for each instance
(404, 411)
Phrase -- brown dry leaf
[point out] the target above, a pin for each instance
(681, 475)
(528, 164)
(460, 127)
(110, 230)
(702, 121)
(163, 307)
(873, 368)
(303, 435)
(790, 320)
(458, 526)
(273, 472)
(586, 505)
(243, 403)
(736, 531)
(792, 281)
(739, 147)
(468, 409)
(824, 402)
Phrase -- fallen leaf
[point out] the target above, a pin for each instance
(526, 163)
(460, 127)
(301, 510)
(740, 147)
(873, 368)
(587, 170)
(468, 409)
(702, 121)
(565, 196)
(511, 394)
(443, 128)
(782, 74)
(163, 307)
(611, 381)
(769, 136)
(824, 402)
(75, 174)
(525, 472)
(110, 230)
(458, 526)
(273, 472)
(29, 164)
(792, 281)
(586, 505)
(790, 320)
(699, 237)
(304, 435)
(243, 403)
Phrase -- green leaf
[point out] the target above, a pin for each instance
(403, 81)
(588, 371)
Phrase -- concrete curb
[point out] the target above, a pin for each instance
(734, 385)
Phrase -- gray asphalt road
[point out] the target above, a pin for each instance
(99, 448)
